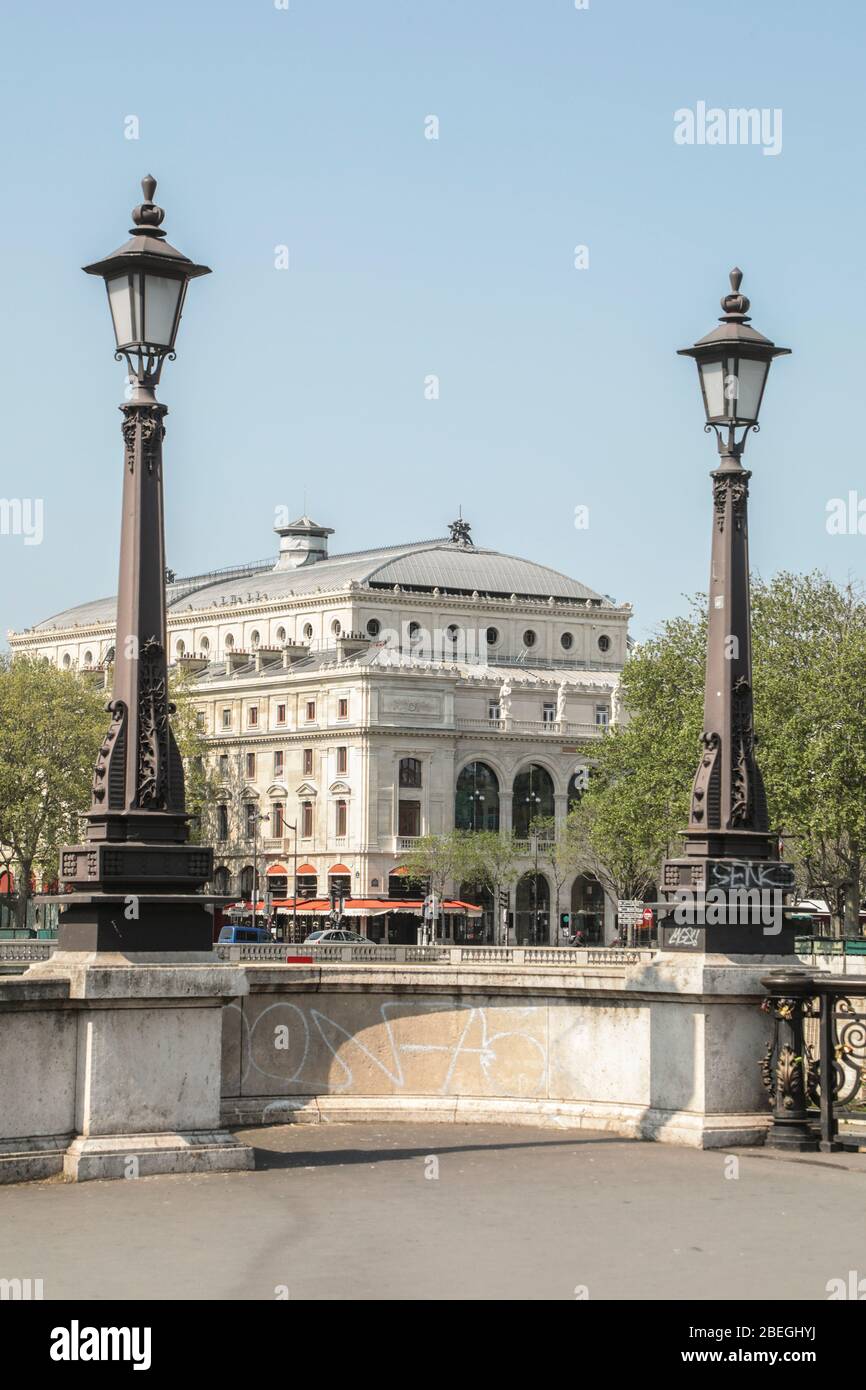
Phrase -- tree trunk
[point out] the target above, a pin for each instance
(23, 896)
(851, 924)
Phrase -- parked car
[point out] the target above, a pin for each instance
(238, 935)
(337, 936)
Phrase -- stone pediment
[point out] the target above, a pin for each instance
(340, 789)
(306, 789)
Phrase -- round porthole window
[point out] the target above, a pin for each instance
(529, 638)
(566, 641)
(604, 644)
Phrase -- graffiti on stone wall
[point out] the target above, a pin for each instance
(422, 1047)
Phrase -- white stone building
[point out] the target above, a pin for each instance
(372, 697)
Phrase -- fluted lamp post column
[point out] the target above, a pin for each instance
(728, 843)
(135, 884)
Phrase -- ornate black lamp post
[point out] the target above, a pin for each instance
(728, 843)
(135, 883)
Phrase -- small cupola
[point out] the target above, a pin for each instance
(302, 542)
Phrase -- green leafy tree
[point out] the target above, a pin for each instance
(435, 861)
(810, 714)
(51, 725)
(200, 774)
(809, 660)
(492, 864)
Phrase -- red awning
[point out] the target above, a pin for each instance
(339, 869)
(307, 869)
(275, 869)
(360, 907)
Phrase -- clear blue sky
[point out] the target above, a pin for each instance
(409, 256)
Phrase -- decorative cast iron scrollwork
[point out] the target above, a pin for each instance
(789, 1069)
(705, 787)
(735, 485)
(109, 776)
(148, 420)
(153, 727)
(849, 1053)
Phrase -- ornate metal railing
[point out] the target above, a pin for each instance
(814, 1067)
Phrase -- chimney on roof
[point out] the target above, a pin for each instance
(350, 644)
(302, 542)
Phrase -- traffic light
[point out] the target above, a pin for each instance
(564, 921)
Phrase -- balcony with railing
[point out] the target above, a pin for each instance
(555, 728)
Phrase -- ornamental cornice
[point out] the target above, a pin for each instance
(497, 737)
(286, 603)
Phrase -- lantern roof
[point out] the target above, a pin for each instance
(734, 329)
(147, 248)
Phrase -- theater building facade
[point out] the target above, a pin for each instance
(352, 703)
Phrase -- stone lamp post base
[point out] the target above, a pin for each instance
(133, 1089)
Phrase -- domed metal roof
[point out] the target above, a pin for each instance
(419, 566)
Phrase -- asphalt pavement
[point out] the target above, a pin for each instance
(443, 1211)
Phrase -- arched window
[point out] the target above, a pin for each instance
(308, 630)
(307, 881)
(229, 642)
(336, 628)
(180, 647)
(221, 879)
(205, 644)
(67, 662)
(476, 802)
(281, 634)
(533, 798)
(532, 919)
(410, 772)
(88, 658)
(255, 639)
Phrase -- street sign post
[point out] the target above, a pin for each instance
(629, 912)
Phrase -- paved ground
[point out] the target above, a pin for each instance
(347, 1211)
